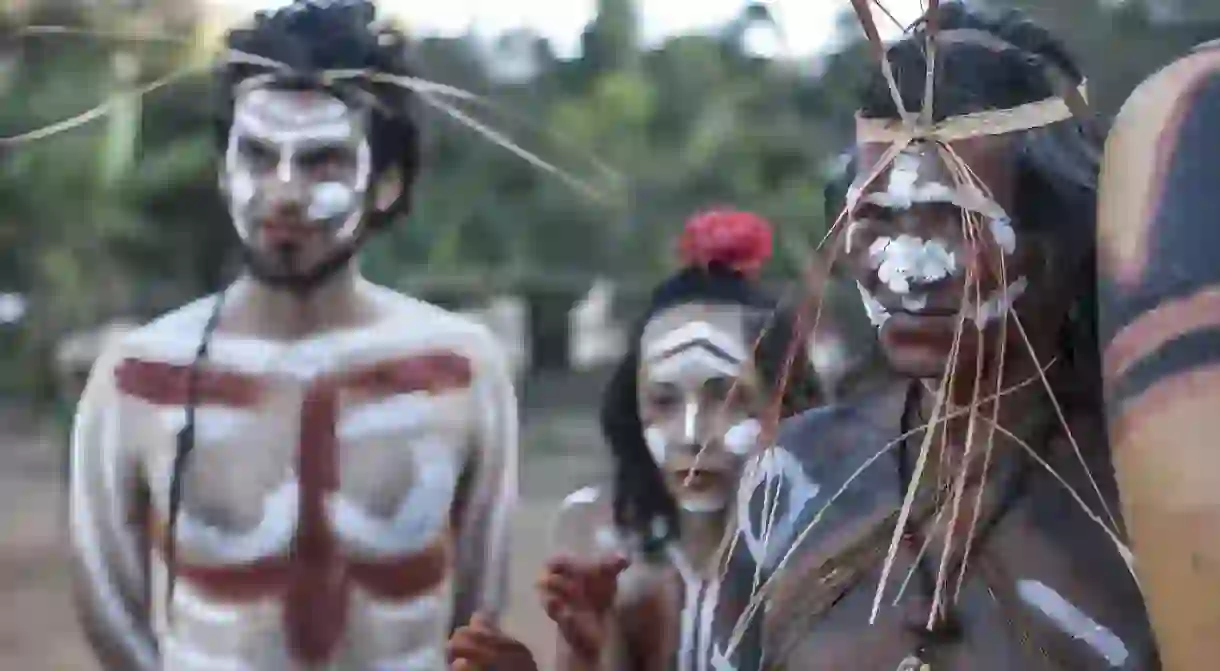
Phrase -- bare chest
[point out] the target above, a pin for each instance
(370, 452)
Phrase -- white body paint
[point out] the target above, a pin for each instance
(778, 472)
(1074, 622)
(400, 459)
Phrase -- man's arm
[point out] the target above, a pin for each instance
(110, 581)
(488, 493)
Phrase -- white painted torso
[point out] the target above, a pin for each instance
(399, 460)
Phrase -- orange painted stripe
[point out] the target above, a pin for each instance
(1154, 328)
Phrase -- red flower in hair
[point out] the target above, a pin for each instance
(739, 240)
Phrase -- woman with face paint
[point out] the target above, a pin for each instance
(633, 584)
(966, 518)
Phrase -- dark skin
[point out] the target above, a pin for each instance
(919, 344)
(1037, 542)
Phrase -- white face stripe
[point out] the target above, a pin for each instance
(691, 332)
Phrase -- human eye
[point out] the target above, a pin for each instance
(258, 154)
(662, 398)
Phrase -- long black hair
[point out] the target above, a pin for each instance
(1057, 166)
(643, 507)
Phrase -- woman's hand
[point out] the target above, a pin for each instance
(577, 596)
(482, 646)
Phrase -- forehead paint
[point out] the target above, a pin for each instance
(905, 188)
(285, 117)
(697, 332)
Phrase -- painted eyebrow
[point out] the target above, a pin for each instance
(696, 332)
(700, 343)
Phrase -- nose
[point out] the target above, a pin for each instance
(690, 423)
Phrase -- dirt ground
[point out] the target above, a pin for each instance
(37, 625)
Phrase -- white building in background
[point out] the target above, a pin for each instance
(508, 319)
(12, 308)
(594, 337)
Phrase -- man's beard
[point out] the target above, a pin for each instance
(282, 272)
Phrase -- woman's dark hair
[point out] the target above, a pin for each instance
(309, 37)
(1057, 166)
(643, 506)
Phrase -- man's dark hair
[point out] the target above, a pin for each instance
(641, 499)
(309, 38)
(1057, 166)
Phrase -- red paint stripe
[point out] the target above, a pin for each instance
(432, 373)
(162, 383)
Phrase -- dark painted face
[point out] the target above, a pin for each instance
(921, 273)
(297, 174)
(691, 357)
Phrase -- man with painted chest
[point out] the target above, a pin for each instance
(305, 470)
(966, 517)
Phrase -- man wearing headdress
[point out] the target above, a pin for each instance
(305, 470)
(966, 518)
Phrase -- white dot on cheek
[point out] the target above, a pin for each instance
(742, 437)
(655, 439)
(330, 199)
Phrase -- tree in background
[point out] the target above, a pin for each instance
(121, 217)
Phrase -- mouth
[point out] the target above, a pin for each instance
(916, 307)
(284, 233)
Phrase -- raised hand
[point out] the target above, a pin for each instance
(578, 595)
(482, 646)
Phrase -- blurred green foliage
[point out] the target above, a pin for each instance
(93, 227)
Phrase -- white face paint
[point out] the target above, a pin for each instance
(1074, 622)
(304, 145)
(742, 437)
(905, 262)
(691, 357)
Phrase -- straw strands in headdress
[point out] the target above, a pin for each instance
(606, 190)
(977, 203)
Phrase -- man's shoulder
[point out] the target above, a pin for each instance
(172, 335)
(423, 318)
(837, 430)
(827, 466)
